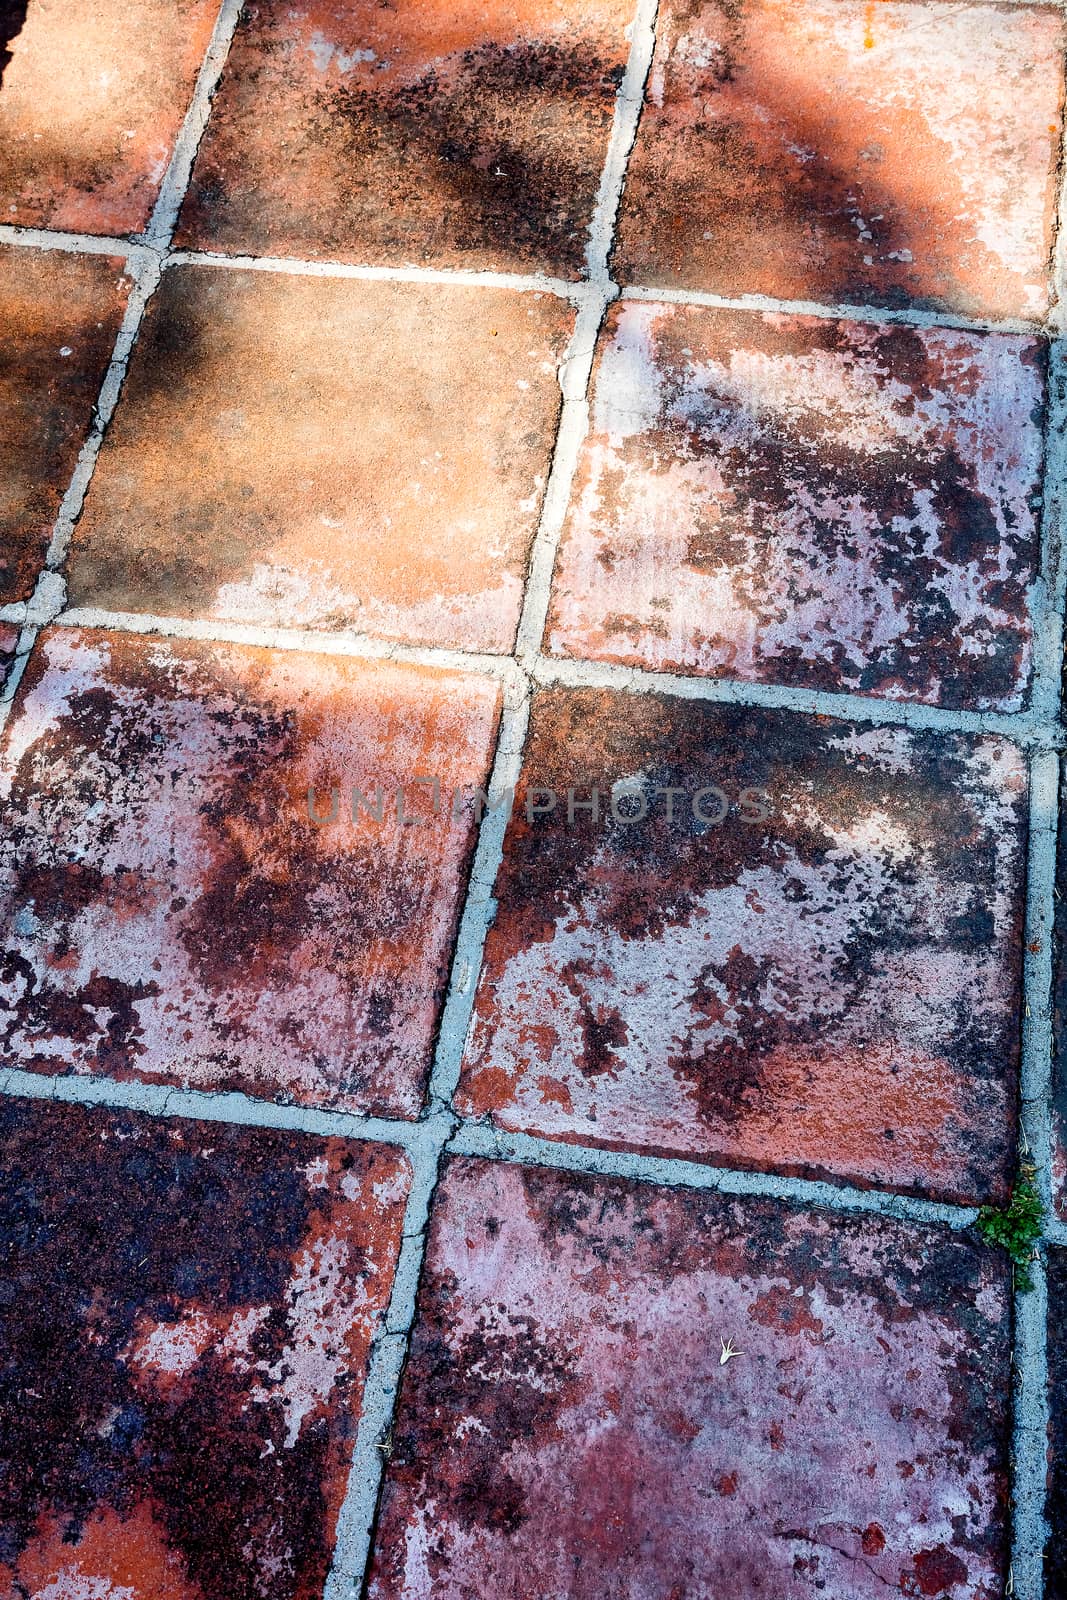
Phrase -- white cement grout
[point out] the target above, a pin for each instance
(520, 283)
(834, 310)
(82, 244)
(494, 1144)
(338, 642)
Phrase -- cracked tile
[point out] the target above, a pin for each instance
(815, 503)
(186, 1317)
(567, 1427)
(260, 470)
(818, 974)
(865, 151)
(417, 132)
(168, 909)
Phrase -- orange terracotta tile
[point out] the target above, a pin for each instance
(91, 102)
(325, 452)
(854, 150)
(59, 315)
(170, 911)
(418, 131)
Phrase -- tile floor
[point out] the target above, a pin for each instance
(532, 912)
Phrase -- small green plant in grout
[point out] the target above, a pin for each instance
(1016, 1227)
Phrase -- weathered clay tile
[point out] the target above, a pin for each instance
(876, 151)
(803, 501)
(168, 908)
(59, 315)
(92, 95)
(567, 1425)
(186, 1314)
(806, 958)
(418, 132)
(263, 468)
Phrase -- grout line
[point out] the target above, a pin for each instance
(1020, 726)
(205, 1105)
(1023, 728)
(341, 643)
(1029, 1467)
(1029, 1358)
(164, 218)
(523, 283)
(842, 311)
(84, 244)
(355, 1522)
(1056, 1233)
(442, 1131)
(479, 908)
(495, 1144)
(145, 275)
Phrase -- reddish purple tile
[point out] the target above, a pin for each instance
(186, 1317)
(803, 501)
(93, 95)
(168, 909)
(821, 977)
(59, 315)
(567, 1426)
(876, 151)
(418, 131)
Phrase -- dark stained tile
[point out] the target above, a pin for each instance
(168, 909)
(93, 95)
(821, 978)
(261, 470)
(418, 132)
(59, 315)
(1056, 1509)
(186, 1316)
(567, 1425)
(802, 501)
(875, 151)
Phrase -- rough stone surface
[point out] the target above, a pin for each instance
(265, 468)
(92, 95)
(1059, 1060)
(415, 132)
(169, 910)
(804, 501)
(186, 1313)
(59, 315)
(823, 982)
(567, 1427)
(849, 150)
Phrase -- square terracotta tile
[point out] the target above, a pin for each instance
(1056, 1510)
(567, 1426)
(419, 132)
(93, 95)
(797, 500)
(59, 315)
(820, 977)
(850, 150)
(170, 911)
(262, 469)
(186, 1316)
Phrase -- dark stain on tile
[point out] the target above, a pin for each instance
(828, 988)
(186, 1313)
